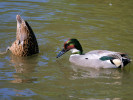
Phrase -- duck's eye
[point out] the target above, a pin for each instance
(86, 58)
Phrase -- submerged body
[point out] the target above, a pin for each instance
(25, 43)
(95, 58)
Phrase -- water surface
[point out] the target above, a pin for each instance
(99, 24)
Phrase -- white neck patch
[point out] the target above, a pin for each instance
(74, 50)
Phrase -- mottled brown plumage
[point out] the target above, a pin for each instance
(25, 43)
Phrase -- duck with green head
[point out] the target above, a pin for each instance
(95, 58)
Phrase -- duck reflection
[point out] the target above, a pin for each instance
(83, 72)
(24, 66)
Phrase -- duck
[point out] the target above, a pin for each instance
(26, 42)
(94, 58)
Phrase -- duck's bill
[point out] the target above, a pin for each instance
(61, 53)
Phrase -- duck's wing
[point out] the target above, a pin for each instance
(22, 30)
(105, 56)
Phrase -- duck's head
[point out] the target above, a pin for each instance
(73, 45)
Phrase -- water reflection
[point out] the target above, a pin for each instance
(7, 92)
(83, 73)
(24, 67)
(100, 99)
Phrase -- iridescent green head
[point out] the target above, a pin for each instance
(71, 44)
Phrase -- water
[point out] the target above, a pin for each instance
(97, 24)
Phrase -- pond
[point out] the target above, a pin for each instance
(97, 24)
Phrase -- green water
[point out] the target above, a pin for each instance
(97, 24)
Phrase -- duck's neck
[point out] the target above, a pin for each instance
(75, 51)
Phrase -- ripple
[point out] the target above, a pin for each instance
(6, 92)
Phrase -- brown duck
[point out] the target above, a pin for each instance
(25, 43)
